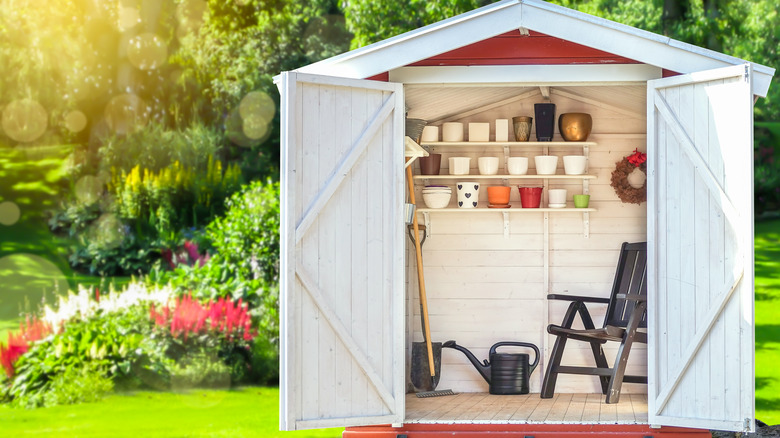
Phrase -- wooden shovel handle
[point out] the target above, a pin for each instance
(421, 278)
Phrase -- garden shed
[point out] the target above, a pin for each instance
(349, 293)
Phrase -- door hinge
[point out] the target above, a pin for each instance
(747, 73)
(747, 424)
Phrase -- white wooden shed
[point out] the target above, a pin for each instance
(348, 289)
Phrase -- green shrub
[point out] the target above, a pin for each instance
(111, 342)
(767, 167)
(155, 148)
(245, 263)
(202, 369)
(245, 266)
(78, 385)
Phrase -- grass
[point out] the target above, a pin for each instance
(767, 253)
(245, 412)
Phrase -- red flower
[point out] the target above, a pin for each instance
(30, 330)
(637, 158)
(191, 317)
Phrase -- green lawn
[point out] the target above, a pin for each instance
(247, 412)
(767, 326)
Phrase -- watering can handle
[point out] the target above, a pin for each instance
(518, 344)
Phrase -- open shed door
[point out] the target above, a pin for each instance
(342, 231)
(700, 252)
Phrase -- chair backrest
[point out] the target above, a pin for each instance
(630, 278)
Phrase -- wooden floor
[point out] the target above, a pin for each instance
(562, 408)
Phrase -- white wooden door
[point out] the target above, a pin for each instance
(700, 252)
(342, 231)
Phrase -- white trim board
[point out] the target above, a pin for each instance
(527, 74)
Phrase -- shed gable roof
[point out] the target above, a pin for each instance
(535, 15)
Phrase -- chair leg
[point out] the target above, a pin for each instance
(601, 362)
(619, 369)
(551, 376)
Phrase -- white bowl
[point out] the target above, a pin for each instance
(546, 164)
(459, 165)
(574, 164)
(517, 165)
(437, 200)
(488, 165)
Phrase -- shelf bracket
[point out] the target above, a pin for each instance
(506, 224)
(427, 220)
(586, 224)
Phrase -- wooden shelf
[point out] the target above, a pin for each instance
(527, 144)
(477, 176)
(514, 209)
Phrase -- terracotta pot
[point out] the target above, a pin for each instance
(430, 165)
(499, 195)
(575, 126)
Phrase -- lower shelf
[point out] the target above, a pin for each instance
(505, 212)
(513, 209)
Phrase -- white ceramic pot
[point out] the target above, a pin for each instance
(468, 194)
(452, 131)
(430, 134)
(479, 131)
(488, 165)
(546, 164)
(459, 165)
(574, 164)
(517, 165)
(556, 197)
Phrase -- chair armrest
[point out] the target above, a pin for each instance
(632, 297)
(578, 298)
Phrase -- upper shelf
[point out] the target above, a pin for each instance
(527, 144)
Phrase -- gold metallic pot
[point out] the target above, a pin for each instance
(575, 126)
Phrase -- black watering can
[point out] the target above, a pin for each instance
(505, 373)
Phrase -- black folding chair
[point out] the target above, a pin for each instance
(626, 312)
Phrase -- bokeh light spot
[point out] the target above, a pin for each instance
(9, 213)
(26, 280)
(128, 18)
(107, 232)
(88, 189)
(147, 51)
(126, 113)
(257, 104)
(24, 120)
(255, 127)
(75, 121)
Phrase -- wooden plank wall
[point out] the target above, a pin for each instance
(484, 288)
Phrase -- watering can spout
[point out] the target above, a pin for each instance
(483, 368)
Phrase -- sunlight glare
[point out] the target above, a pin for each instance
(126, 113)
(147, 51)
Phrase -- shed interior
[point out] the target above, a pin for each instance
(486, 284)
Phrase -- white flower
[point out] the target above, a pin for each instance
(83, 305)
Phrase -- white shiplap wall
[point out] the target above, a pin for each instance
(484, 288)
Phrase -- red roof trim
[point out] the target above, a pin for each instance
(515, 49)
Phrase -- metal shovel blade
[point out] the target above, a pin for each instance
(420, 373)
